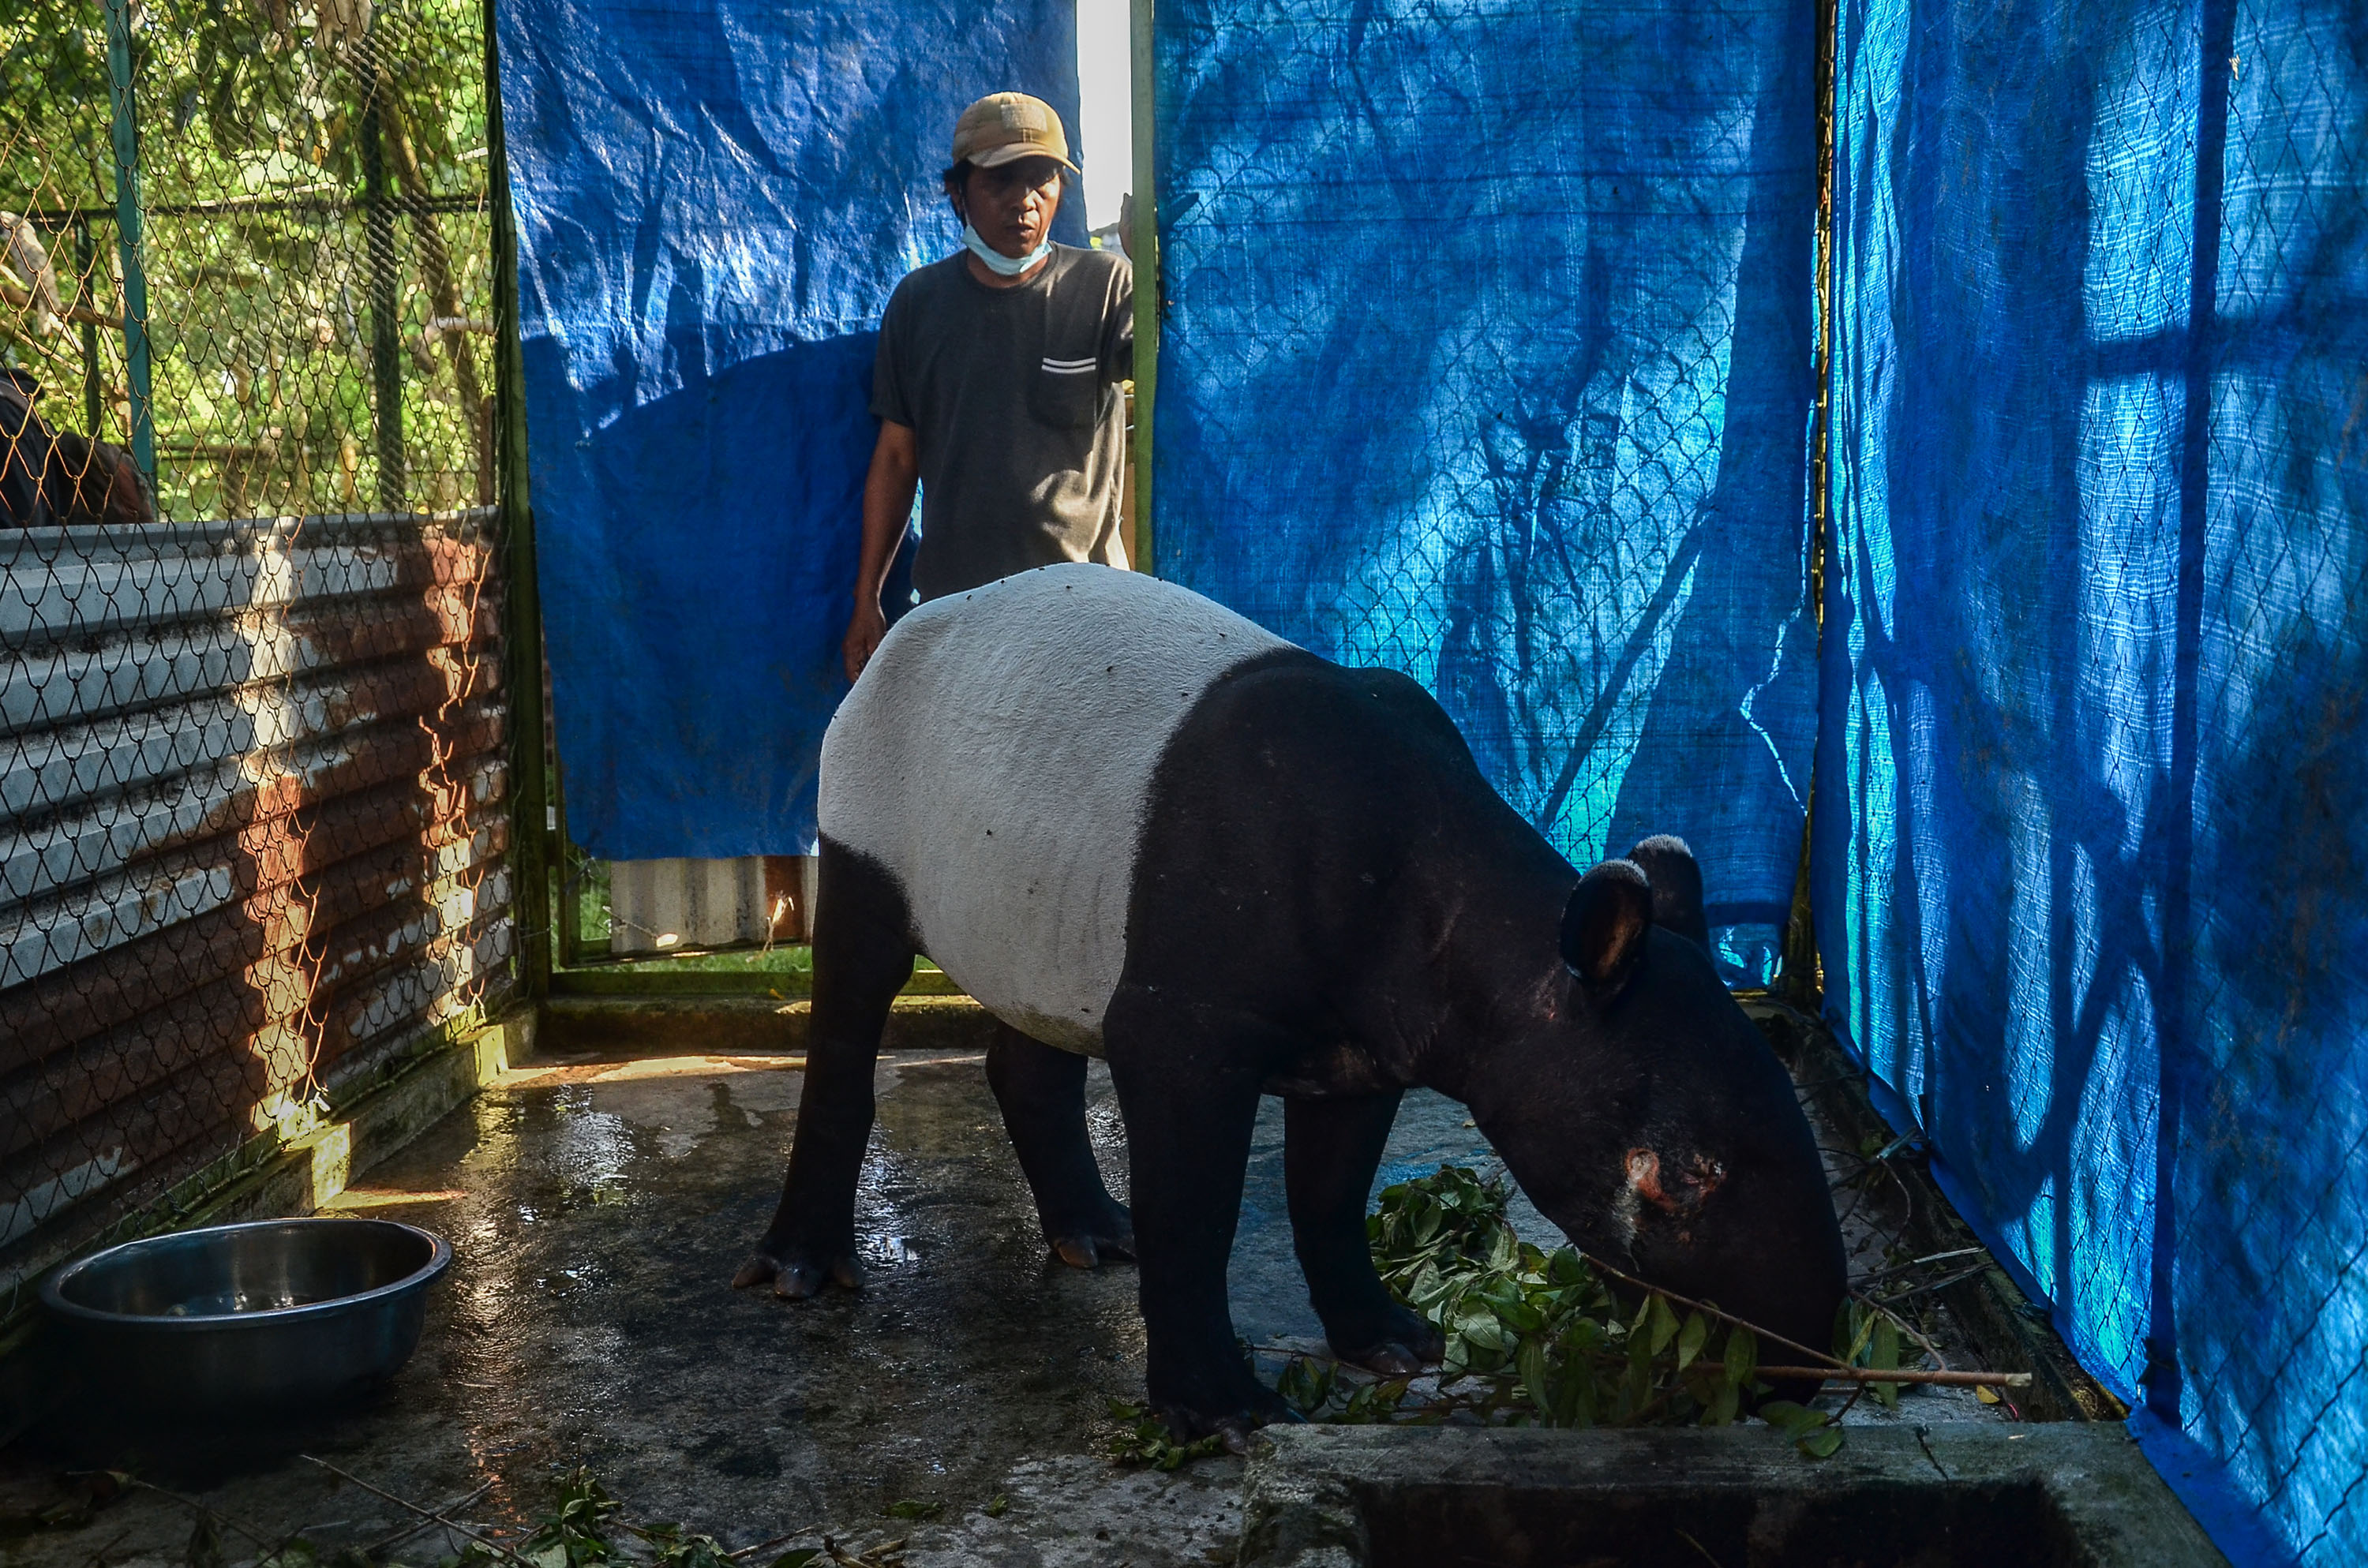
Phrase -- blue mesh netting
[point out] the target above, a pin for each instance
(1486, 357)
(2093, 820)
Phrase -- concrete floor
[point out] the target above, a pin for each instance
(597, 1210)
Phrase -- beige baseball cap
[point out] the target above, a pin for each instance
(1003, 128)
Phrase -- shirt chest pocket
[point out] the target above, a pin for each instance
(1064, 388)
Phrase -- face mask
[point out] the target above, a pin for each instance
(1003, 266)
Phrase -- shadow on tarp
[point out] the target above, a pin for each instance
(1537, 437)
(694, 669)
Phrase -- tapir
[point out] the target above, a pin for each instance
(1133, 824)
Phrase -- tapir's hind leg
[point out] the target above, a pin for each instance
(1330, 1150)
(1043, 1092)
(862, 956)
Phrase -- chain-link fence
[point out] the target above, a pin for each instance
(254, 781)
(2093, 870)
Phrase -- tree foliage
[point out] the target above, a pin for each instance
(256, 127)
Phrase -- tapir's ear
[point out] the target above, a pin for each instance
(1677, 881)
(1603, 926)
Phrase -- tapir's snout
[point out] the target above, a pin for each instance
(1751, 1232)
(1757, 1239)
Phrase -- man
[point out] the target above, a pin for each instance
(996, 381)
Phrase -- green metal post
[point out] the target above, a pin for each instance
(386, 350)
(530, 808)
(1143, 247)
(128, 239)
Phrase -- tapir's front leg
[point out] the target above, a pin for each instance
(1188, 1083)
(1330, 1151)
(861, 958)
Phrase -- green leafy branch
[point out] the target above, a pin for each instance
(1532, 1337)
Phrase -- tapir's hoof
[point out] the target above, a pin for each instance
(1090, 1252)
(1390, 1360)
(799, 1276)
(1408, 1345)
(1263, 1408)
(1088, 1231)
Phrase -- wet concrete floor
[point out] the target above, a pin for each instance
(597, 1211)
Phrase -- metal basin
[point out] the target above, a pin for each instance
(277, 1316)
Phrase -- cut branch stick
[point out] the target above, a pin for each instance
(22, 299)
(1943, 1283)
(763, 1545)
(454, 1507)
(1875, 1375)
(428, 1514)
(1914, 1264)
(1766, 1335)
(206, 1511)
(22, 334)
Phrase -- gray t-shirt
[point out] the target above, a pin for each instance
(1013, 395)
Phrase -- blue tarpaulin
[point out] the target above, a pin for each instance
(715, 200)
(1486, 357)
(2091, 878)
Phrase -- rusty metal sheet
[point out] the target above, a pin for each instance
(375, 920)
(119, 889)
(253, 836)
(658, 906)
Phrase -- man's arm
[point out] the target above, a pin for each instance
(887, 507)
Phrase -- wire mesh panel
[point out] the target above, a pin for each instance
(1485, 357)
(252, 779)
(2091, 895)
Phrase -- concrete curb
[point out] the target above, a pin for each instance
(2069, 1493)
(720, 1026)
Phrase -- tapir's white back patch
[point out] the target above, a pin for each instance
(996, 758)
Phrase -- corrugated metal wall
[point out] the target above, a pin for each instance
(659, 906)
(252, 836)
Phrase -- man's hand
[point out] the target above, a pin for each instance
(864, 634)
